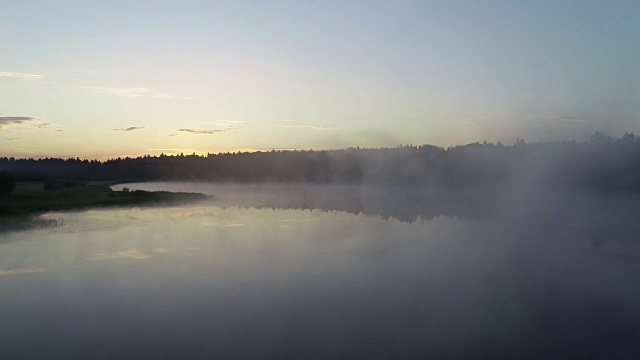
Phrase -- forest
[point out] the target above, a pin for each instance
(602, 163)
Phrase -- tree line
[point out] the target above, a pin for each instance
(602, 163)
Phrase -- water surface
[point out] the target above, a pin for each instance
(297, 271)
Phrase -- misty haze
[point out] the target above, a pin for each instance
(319, 180)
(513, 267)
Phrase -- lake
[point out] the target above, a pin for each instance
(305, 272)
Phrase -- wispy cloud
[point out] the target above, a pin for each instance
(310, 127)
(133, 92)
(203, 132)
(22, 75)
(38, 124)
(13, 138)
(226, 122)
(28, 121)
(130, 128)
(572, 119)
(532, 117)
(128, 92)
(108, 90)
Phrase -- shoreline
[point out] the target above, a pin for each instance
(34, 198)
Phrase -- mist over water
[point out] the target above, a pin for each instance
(329, 271)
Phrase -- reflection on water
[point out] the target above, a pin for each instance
(28, 223)
(27, 270)
(600, 218)
(257, 278)
(129, 254)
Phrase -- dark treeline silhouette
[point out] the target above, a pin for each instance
(602, 163)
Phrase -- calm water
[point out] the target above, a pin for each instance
(326, 272)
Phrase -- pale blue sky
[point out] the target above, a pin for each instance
(216, 76)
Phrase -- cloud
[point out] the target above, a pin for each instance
(204, 132)
(128, 92)
(571, 119)
(44, 125)
(6, 121)
(310, 127)
(28, 121)
(534, 117)
(22, 75)
(133, 92)
(130, 128)
(226, 122)
(118, 91)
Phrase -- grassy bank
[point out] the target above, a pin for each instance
(29, 198)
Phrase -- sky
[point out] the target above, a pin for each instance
(115, 78)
